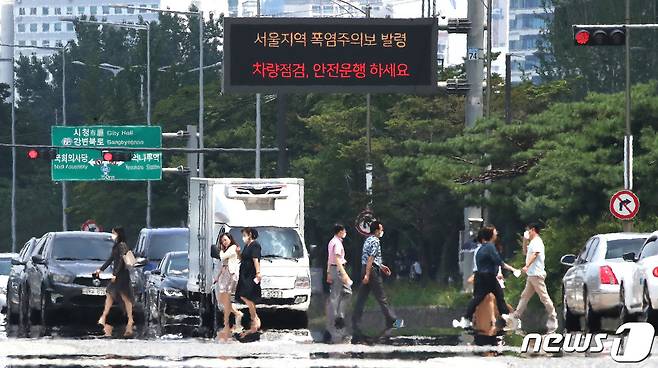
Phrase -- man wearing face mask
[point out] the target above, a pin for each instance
(341, 284)
(372, 269)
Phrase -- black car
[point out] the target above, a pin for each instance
(16, 282)
(152, 245)
(59, 275)
(166, 293)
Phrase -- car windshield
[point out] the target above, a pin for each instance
(178, 265)
(71, 248)
(5, 266)
(617, 248)
(275, 242)
(163, 243)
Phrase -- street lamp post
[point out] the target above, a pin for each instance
(13, 137)
(201, 67)
(144, 27)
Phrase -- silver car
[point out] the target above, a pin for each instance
(590, 287)
(5, 267)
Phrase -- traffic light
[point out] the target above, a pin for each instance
(599, 35)
(117, 156)
(42, 153)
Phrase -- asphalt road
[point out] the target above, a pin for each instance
(78, 347)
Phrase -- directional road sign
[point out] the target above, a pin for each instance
(88, 164)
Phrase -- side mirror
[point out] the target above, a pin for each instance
(629, 257)
(157, 271)
(140, 262)
(568, 260)
(17, 262)
(38, 259)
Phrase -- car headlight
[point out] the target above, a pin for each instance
(62, 279)
(303, 282)
(172, 293)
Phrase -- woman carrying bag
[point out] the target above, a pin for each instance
(119, 287)
(226, 281)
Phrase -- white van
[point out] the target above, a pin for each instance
(275, 207)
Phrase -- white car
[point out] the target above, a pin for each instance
(5, 267)
(639, 292)
(590, 287)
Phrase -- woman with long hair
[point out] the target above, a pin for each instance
(119, 286)
(226, 280)
(248, 288)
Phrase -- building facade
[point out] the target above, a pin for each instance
(38, 22)
(527, 22)
(308, 8)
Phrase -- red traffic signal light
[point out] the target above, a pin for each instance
(43, 153)
(599, 35)
(117, 156)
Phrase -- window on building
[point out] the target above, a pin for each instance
(58, 43)
(58, 27)
(93, 10)
(45, 43)
(69, 27)
(69, 10)
(131, 11)
(21, 43)
(316, 8)
(33, 11)
(21, 27)
(45, 27)
(33, 27)
(33, 42)
(154, 6)
(106, 10)
(118, 11)
(142, 10)
(104, 19)
(45, 10)
(328, 9)
(58, 11)
(81, 10)
(21, 11)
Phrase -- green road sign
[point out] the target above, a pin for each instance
(87, 164)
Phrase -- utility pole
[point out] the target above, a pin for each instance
(489, 39)
(628, 139)
(258, 117)
(64, 193)
(474, 75)
(282, 135)
(508, 88)
(369, 165)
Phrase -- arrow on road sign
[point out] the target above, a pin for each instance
(624, 205)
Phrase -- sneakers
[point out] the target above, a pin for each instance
(398, 323)
(463, 323)
(512, 322)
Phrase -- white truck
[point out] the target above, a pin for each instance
(275, 207)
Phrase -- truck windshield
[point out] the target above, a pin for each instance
(165, 242)
(71, 248)
(275, 242)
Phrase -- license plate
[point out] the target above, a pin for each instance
(272, 294)
(99, 291)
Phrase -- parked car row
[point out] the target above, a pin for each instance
(53, 274)
(615, 275)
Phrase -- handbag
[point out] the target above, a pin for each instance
(129, 259)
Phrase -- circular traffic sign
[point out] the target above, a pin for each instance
(624, 205)
(91, 225)
(363, 221)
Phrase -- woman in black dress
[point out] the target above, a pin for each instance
(248, 288)
(119, 287)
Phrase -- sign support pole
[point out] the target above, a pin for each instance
(628, 140)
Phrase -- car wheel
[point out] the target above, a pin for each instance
(23, 310)
(44, 315)
(12, 313)
(592, 319)
(571, 321)
(33, 313)
(624, 314)
(648, 314)
(162, 318)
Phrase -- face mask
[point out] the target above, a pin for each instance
(245, 240)
(526, 235)
(114, 237)
(381, 235)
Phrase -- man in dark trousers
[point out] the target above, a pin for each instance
(488, 262)
(372, 270)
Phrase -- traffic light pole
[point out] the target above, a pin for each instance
(628, 139)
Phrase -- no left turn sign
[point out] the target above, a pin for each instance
(624, 205)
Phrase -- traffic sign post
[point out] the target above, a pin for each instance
(89, 165)
(363, 222)
(624, 205)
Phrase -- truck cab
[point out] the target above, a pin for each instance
(275, 207)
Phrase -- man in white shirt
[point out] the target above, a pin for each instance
(534, 268)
